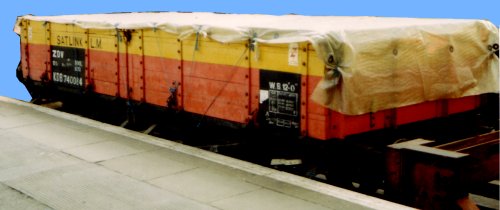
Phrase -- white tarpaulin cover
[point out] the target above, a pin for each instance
(379, 63)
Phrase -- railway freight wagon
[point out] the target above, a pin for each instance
(320, 77)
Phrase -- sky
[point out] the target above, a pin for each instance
(10, 55)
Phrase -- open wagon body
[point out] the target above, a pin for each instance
(320, 77)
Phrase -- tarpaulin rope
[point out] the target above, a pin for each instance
(254, 47)
(196, 43)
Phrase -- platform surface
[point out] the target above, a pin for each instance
(55, 160)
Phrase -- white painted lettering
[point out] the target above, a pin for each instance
(272, 85)
(57, 54)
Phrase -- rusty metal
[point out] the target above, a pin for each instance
(430, 176)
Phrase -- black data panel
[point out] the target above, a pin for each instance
(280, 98)
(68, 66)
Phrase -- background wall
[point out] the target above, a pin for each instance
(9, 41)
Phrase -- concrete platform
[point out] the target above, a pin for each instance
(54, 160)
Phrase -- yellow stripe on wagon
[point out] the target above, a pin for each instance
(36, 32)
(156, 43)
(68, 35)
